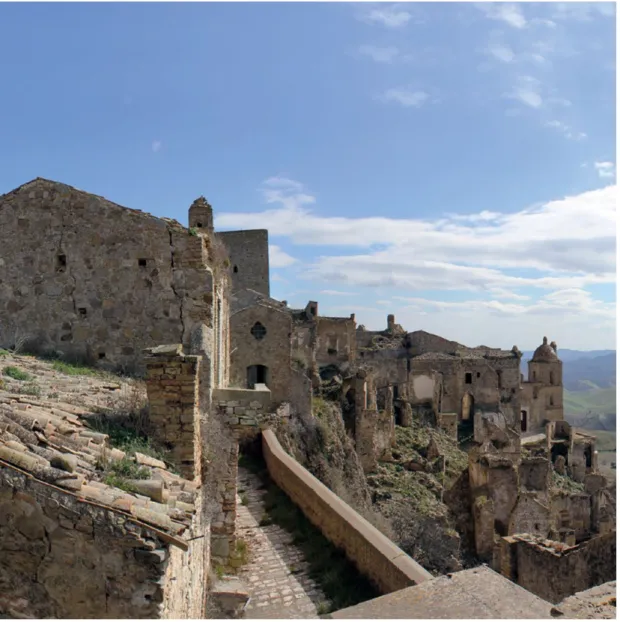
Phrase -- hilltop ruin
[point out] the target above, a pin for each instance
(82, 278)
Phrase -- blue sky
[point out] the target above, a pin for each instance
(453, 164)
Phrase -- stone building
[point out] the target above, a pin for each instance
(542, 394)
(93, 280)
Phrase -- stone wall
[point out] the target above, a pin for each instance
(553, 570)
(374, 555)
(249, 259)
(335, 341)
(186, 571)
(243, 413)
(261, 338)
(91, 279)
(63, 557)
(173, 392)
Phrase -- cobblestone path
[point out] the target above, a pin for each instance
(276, 573)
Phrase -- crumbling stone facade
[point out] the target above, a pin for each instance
(553, 570)
(75, 545)
(90, 279)
(172, 385)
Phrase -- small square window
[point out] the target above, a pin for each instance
(101, 355)
(82, 311)
(142, 263)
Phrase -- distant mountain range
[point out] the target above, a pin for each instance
(583, 370)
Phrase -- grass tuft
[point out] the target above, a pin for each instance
(16, 373)
(73, 369)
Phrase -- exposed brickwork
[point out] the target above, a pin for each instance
(172, 388)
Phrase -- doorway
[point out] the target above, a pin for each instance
(524, 421)
(257, 374)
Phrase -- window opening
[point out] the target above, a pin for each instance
(258, 331)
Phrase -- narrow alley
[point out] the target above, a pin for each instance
(276, 574)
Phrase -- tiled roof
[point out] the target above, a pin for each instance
(51, 440)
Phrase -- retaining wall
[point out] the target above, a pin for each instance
(375, 555)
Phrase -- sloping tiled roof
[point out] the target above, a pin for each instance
(50, 439)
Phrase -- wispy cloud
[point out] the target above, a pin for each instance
(510, 14)
(335, 292)
(379, 54)
(156, 146)
(565, 246)
(501, 52)
(605, 169)
(571, 239)
(582, 11)
(527, 91)
(565, 130)
(408, 98)
(389, 16)
(278, 258)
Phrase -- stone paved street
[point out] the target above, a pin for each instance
(276, 573)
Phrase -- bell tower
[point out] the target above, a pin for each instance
(201, 215)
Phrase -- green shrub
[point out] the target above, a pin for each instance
(16, 373)
(71, 369)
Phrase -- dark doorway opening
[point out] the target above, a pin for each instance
(523, 421)
(348, 413)
(398, 418)
(257, 374)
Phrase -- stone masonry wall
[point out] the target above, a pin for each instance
(375, 556)
(89, 278)
(249, 254)
(172, 388)
(554, 570)
(62, 558)
(243, 413)
(272, 350)
(186, 572)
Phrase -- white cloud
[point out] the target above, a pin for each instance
(524, 273)
(566, 243)
(605, 169)
(501, 52)
(390, 17)
(335, 292)
(508, 13)
(379, 54)
(527, 91)
(278, 258)
(155, 146)
(564, 129)
(405, 97)
(582, 11)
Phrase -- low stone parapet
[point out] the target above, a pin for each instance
(375, 555)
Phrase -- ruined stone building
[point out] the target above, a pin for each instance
(75, 543)
(84, 278)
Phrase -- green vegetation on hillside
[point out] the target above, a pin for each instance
(605, 441)
(602, 401)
